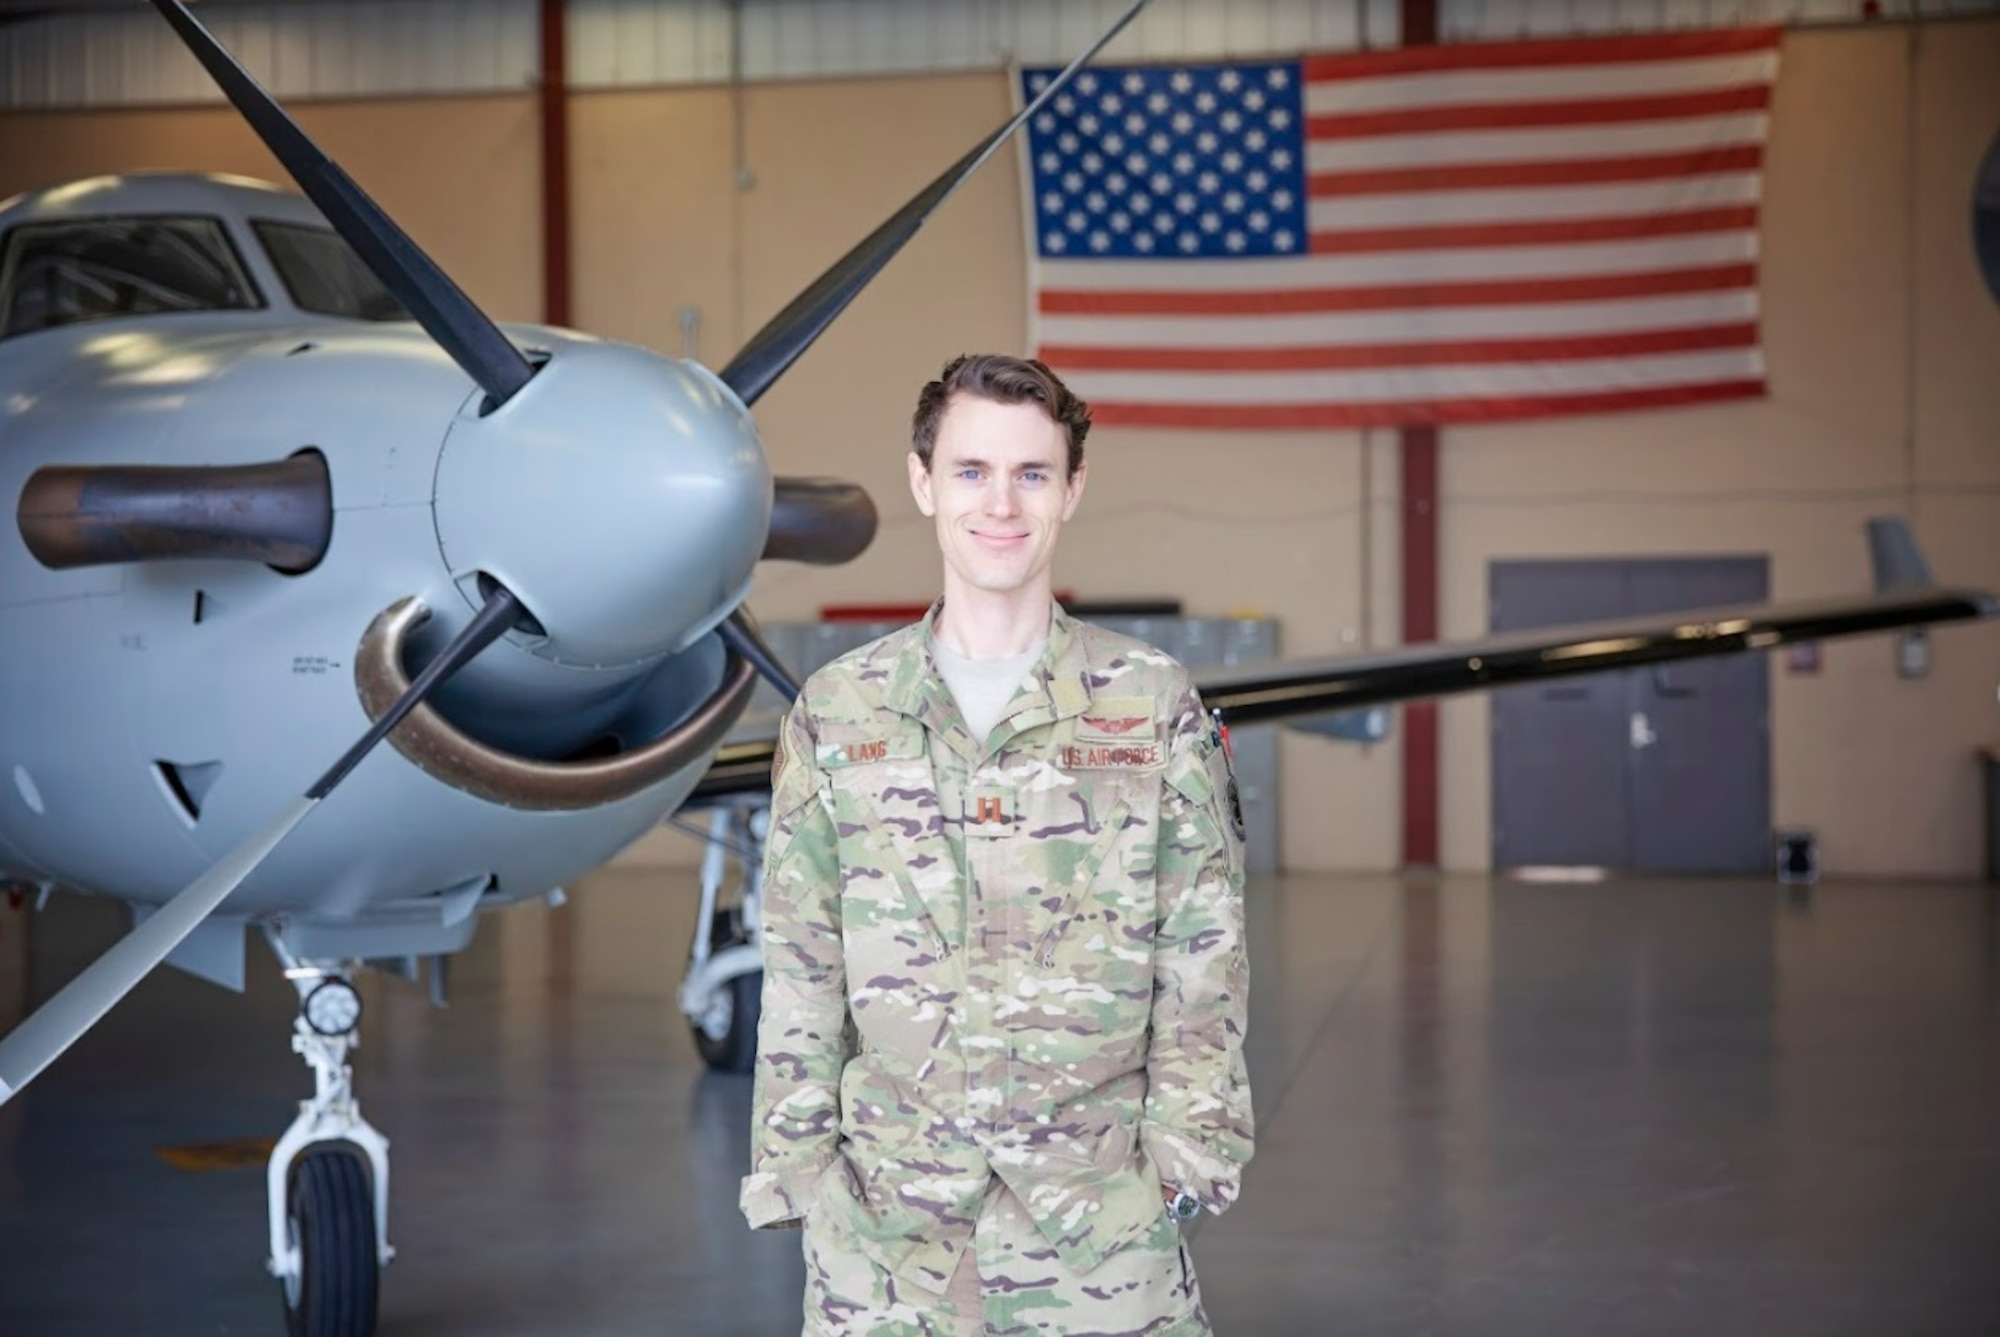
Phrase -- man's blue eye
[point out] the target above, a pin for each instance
(968, 473)
(1034, 476)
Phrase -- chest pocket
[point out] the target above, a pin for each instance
(1094, 869)
(1100, 903)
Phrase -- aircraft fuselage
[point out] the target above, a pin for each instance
(161, 710)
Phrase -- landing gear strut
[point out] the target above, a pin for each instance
(723, 991)
(328, 1178)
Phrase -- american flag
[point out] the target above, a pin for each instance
(1432, 235)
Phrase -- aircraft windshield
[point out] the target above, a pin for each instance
(71, 270)
(324, 275)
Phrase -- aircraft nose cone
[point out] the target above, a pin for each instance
(622, 496)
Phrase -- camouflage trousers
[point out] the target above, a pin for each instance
(1008, 1284)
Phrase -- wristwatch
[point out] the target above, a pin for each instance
(1183, 1205)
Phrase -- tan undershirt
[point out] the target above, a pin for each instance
(983, 687)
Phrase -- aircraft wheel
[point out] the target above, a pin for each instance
(330, 1216)
(725, 1034)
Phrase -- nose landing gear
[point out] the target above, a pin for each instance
(723, 991)
(328, 1177)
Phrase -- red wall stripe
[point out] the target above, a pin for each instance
(1417, 451)
(555, 164)
(1420, 625)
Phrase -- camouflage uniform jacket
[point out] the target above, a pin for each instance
(1023, 957)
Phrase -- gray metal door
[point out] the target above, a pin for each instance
(1657, 770)
(1701, 786)
(1559, 751)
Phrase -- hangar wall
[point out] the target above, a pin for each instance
(1880, 338)
(1882, 346)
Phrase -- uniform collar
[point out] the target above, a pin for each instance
(1059, 686)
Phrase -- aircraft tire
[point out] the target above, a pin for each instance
(736, 1049)
(330, 1207)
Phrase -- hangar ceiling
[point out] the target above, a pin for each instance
(88, 53)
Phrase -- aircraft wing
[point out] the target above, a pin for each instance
(1299, 689)
(1290, 690)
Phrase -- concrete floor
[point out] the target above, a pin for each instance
(1623, 1109)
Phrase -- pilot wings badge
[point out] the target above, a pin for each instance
(1117, 719)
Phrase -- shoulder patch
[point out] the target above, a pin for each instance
(1226, 751)
(1236, 809)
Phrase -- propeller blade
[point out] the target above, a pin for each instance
(426, 291)
(58, 1023)
(819, 520)
(740, 634)
(80, 1004)
(279, 513)
(789, 333)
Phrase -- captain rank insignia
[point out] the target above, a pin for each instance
(990, 812)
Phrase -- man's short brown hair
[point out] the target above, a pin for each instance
(1004, 380)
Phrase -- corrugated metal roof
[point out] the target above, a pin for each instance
(91, 53)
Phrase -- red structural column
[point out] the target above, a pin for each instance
(1420, 601)
(1419, 450)
(555, 162)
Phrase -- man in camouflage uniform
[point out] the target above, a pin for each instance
(1004, 996)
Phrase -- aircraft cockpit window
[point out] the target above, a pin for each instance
(78, 269)
(324, 275)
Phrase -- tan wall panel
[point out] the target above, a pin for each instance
(460, 175)
(1958, 318)
(1880, 767)
(1835, 271)
(654, 218)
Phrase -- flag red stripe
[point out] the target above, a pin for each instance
(1385, 297)
(1554, 52)
(1304, 416)
(1441, 353)
(1568, 172)
(1456, 236)
(1523, 115)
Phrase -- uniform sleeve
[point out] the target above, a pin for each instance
(802, 1043)
(1198, 1127)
